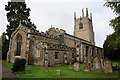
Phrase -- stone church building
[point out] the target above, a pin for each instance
(55, 45)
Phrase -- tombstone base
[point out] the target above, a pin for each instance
(70, 68)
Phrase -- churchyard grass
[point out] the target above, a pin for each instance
(39, 72)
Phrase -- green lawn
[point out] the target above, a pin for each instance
(39, 72)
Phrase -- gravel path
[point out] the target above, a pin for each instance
(7, 74)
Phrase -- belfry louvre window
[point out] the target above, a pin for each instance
(56, 55)
(80, 26)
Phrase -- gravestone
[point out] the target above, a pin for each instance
(58, 72)
(46, 66)
(96, 65)
(46, 62)
(77, 66)
(107, 66)
(86, 66)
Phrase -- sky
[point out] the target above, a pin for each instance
(60, 14)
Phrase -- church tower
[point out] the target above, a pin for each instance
(83, 27)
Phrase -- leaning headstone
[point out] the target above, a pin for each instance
(96, 65)
(58, 72)
(77, 66)
(107, 66)
(86, 66)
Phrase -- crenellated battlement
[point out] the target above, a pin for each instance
(83, 27)
(60, 47)
(54, 31)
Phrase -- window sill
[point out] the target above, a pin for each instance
(18, 56)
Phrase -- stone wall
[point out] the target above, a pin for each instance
(86, 32)
(62, 51)
(35, 44)
(45, 38)
(54, 31)
(22, 32)
(60, 60)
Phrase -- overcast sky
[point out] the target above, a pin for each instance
(59, 13)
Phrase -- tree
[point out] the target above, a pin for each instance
(112, 43)
(115, 23)
(16, 12)
(109, 50)
(5, 46)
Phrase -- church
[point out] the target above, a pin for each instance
(55, 45)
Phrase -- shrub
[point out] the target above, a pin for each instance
(19, 65)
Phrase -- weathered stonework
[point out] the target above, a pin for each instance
(87, 65)
(107, 66)
(61, 48)
(77, 66)
(83, 27)
(97, 65)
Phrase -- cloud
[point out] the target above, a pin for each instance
(59, 13)
(51, 1)
(101, 25)
(3, 18)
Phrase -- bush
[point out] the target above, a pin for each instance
(19, 65)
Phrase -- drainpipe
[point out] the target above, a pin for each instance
(10, 49)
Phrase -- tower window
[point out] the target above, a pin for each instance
(80, 26)
(56, 55)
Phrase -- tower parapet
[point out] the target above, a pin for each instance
(83, 27)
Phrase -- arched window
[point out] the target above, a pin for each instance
(80, 26)
(18, 46)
